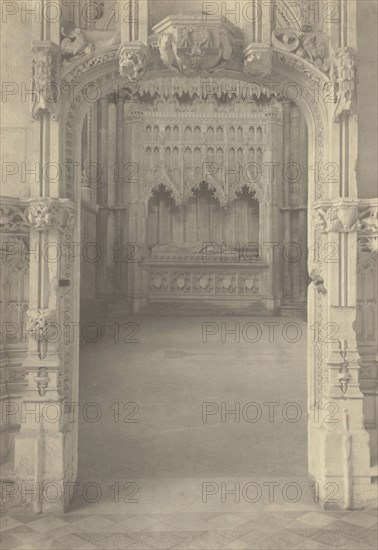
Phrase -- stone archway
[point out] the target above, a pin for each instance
(338, 449)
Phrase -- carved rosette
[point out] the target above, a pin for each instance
(344, 75)
(336, 216)
(367, 227)
(45, 78)
(133, 60)
(188, 44)
(47, 213)
(310, 46)
(257, 60)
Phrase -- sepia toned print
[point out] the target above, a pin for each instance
(189, 274)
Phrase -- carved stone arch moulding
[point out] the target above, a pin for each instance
(107, 79)
(103, 72)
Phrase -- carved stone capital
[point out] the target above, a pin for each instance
(47, 213)
(344, 75)
(188, 44)
(45, 78)
(133, 60)
(257, 60)
(339, 215)
(367, 227)
(310, 46)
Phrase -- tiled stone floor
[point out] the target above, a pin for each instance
(169, 374)
(170, 452)
(268, 530)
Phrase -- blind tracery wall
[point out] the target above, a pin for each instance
(202, 219)
(193, 172)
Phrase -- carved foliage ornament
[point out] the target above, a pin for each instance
(46, 213)
(39, 322)
(45, 78)
(13, 219)
(311, 46)
(133, 60)
(341, 216)
(367, 227)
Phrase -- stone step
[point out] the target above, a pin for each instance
(200, 308)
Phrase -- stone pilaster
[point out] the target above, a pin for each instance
(343, 460)
(39, 446)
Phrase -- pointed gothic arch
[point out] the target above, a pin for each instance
(97, 75)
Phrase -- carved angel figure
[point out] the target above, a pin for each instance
(184, 38)
(167, 48)
(315, 47)
(204, 38)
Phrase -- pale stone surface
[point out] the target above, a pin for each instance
(164, 58)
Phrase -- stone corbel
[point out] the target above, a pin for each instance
(133, 60)
(339, 215)
(45, 78)
(47, 213)
(344, 76)
(257, 60)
